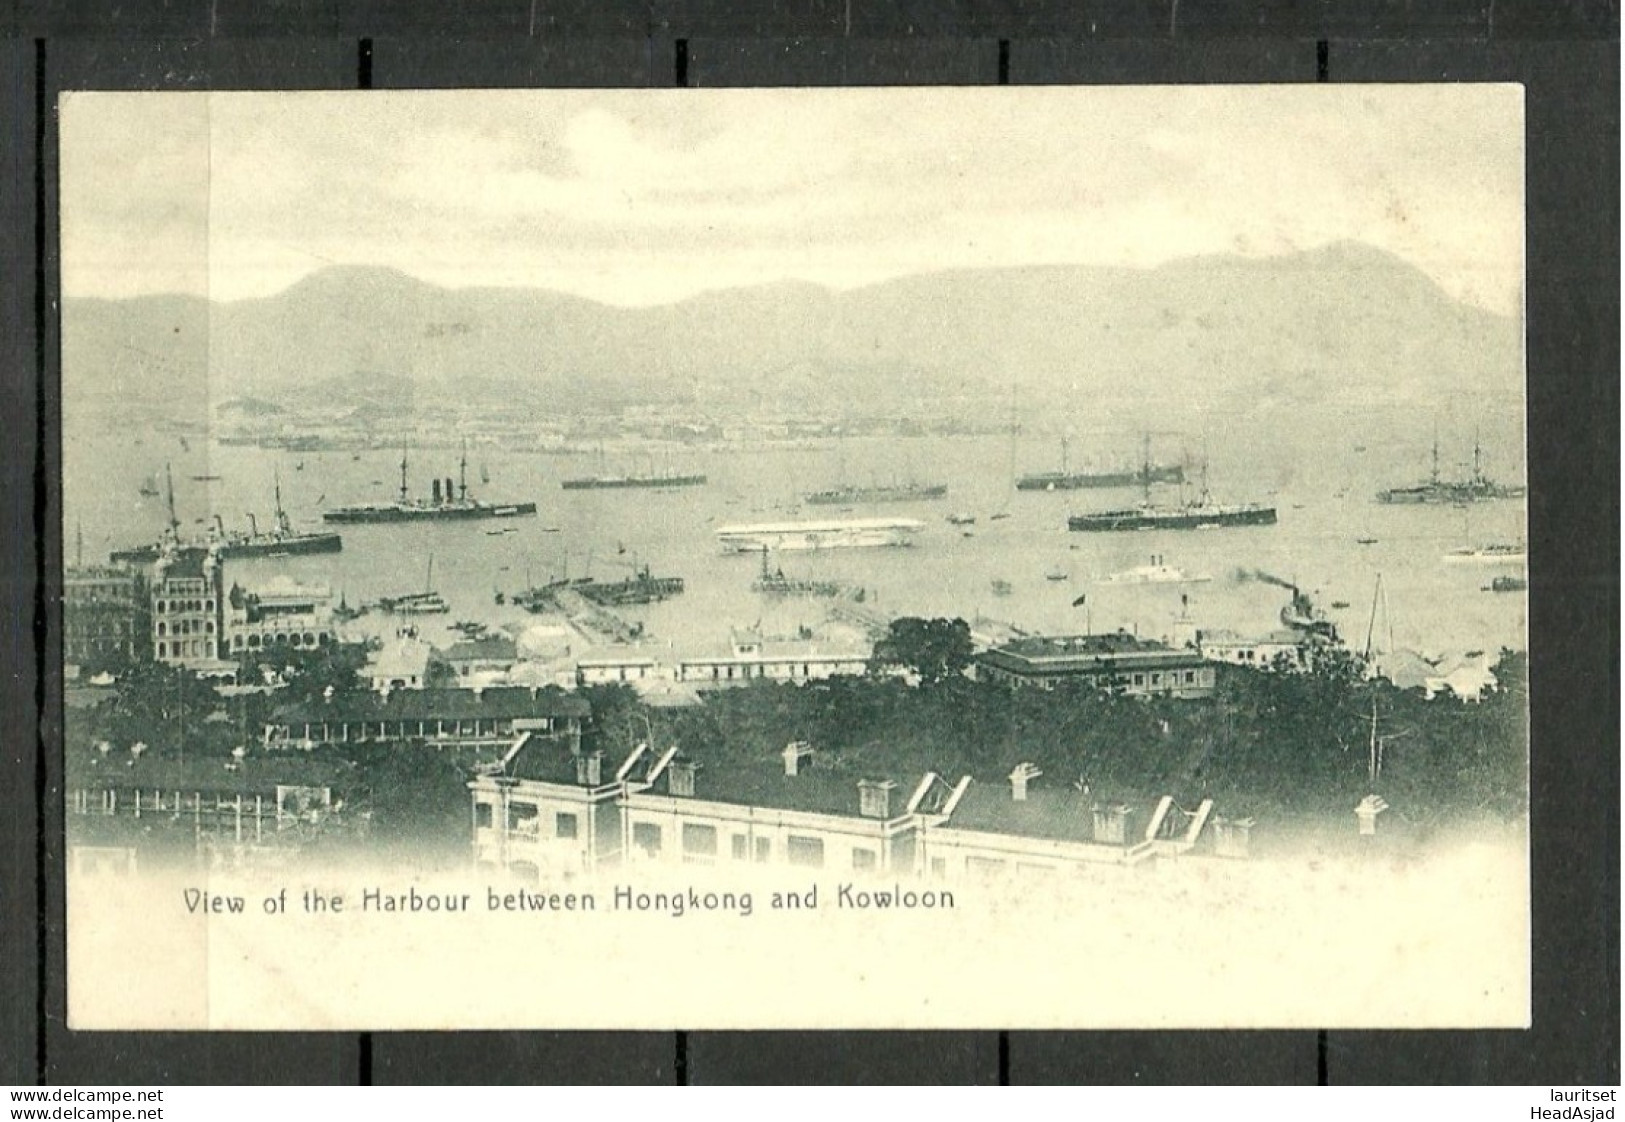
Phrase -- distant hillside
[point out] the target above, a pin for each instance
(1345, 323)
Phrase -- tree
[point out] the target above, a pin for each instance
(933, 650)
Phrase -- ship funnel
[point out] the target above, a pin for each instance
(437, 492)
(449, 491)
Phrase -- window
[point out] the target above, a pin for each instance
(699, 841)
(741, 847)
(1190, 675)
(764, 850)
(524, 818)
(864, 859)
(805, 851)
(1139, 679)
(482, 816)
(939, 866)
(646, 836)
(983, 866)
(564, 825)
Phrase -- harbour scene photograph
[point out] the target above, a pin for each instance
(905, 528)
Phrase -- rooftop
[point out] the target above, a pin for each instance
(441, 704)
(485, 647)
(257, 774)
(819, 788)
(1054, 813)
(1060, 646)
(403, 658)
(185, 561)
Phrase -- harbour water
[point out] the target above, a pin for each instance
(1332, 539)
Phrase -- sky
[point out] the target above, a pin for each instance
(643, 197)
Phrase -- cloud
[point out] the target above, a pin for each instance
(641, 196)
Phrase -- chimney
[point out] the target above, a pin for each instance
(590, 769)
(1111, 824)
(796, 753)
(437, 492)
(448, 491)
(1024, 774)
(874, 798)
(680, 777)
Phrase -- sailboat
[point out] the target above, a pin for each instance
(427, 602)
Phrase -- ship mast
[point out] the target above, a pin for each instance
(403, 473)
(281, 515)
(169, 482)
(462, 474)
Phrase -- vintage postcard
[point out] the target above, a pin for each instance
(889, 558)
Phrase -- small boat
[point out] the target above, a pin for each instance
(1001, 588)
(998, 516)
(1508, 584)
(1500, 553)
(1366, 541)
(961, 520)
(1156, 573)
(1340, 604)
(1057, 575)
(205, 479)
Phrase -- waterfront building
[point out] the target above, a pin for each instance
(1263, 651)
(617, 668)
(488, 654)
(481, 718)
(1137, 667)
(188, 609)
(280, 614)
(751, 657)
(404, 663)
(105, 614)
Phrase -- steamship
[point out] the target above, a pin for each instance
(443, 505)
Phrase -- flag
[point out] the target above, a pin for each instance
(1078, 603)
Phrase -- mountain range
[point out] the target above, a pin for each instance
(1342, 324)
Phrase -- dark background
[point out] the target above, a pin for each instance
(1566, 53)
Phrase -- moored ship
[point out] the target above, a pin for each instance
(625, 482)
(282, 540)
(1498, 553)
(849, 533)
(642, 587)
(774, 582)
(444, 504)
(1434, 490)
(1199, 515)
(877, 493)
(1067, 480)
